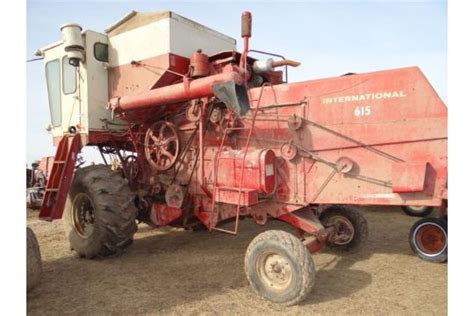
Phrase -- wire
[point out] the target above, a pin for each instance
(34, 59)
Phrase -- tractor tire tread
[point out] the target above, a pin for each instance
(33, 260)
(115, 212)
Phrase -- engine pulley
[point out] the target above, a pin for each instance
(288, 151)
(295, 122)
(193, 111)
(216, 115)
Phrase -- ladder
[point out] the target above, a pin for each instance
(240, 191)
(60, 178)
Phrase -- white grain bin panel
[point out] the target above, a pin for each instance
(187, 36)
(147, 41)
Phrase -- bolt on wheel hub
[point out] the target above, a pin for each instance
(344, 229)
(83, 215)
(274, 270)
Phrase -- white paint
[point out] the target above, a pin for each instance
(362, 111)
(171, 35)
(269, 170)
(141, 43)
(96, 92)
(87, 105)
(365, 97)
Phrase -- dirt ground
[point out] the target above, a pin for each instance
(170, 271)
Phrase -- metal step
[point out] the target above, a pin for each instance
(230, 195)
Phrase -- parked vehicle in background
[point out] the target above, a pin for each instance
(36, 180)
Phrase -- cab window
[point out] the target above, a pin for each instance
(69, 77)
(53, 82)
(101, 52)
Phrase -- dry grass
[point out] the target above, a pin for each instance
(171, 271)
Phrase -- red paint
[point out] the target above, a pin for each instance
(187, 90)
(408, 177)
(199, 65)
(391, 125)
(163, 215)
(150, 73)
(59, 182)
(259, 170)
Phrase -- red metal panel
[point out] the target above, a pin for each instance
(231, 196)
(133, 79)
(162, 215)
(259, 170)
(374, 119)
(408, 177)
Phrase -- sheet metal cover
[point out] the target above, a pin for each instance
(234, 96)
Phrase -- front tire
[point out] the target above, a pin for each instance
(99, 215)
(33, 260)
(279, 267)
(428, 238)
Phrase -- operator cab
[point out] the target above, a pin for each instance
(77, 79)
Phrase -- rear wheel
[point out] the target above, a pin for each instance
(417, 211)
(279, 267)
(99, 215)
(428, 238)
(33, 260)
(351, 227)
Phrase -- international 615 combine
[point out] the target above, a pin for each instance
(207, 135)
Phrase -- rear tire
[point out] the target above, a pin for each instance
(417, 211)
(349, 223)
(33, 260)
(428, 238)
(279, 267)
(100, 214)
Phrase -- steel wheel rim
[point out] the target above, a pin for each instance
(83, 215)
(274, 270)
(430, 239)
(345, 230)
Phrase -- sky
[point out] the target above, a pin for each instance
(329, 38)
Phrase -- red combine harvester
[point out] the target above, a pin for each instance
(207, 135)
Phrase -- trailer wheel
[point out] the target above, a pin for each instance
(417, 211)
(351, 227)
(428, 238)
(99, 215)
(33, 260)
(279, 267)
